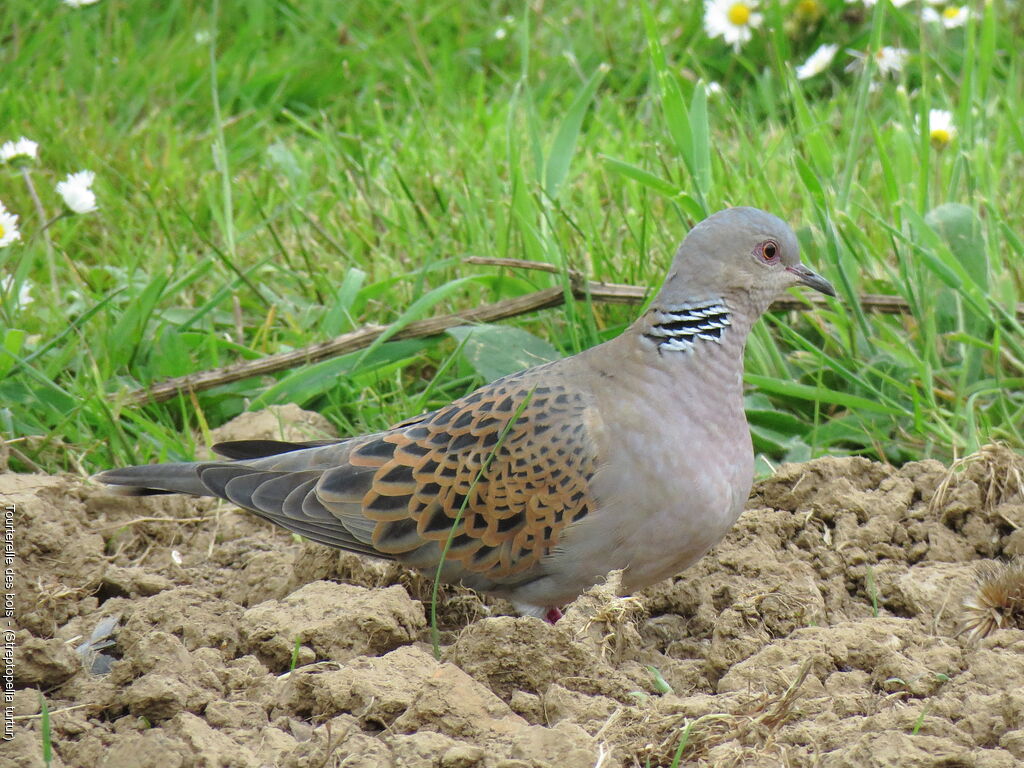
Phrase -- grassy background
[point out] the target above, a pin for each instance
(274, 173)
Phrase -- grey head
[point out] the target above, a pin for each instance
(744, 256)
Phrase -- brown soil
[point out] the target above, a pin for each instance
(825, 630)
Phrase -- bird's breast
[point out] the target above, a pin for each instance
(676, 474)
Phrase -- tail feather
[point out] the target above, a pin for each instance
(259, 449)
(215, 477)
(156, 478)
(287, 492)
(285, 497)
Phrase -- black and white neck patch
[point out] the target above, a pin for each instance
(678, 328)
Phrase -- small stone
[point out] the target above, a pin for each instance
(462, 756)
(1013, 742)
(157, 697)
(26, 702)
(44, 663)
(338, 621)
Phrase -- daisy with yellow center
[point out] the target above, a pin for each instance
(732, 20)
(739, 14)
(951, 16)
(941, 130)
(8, 227)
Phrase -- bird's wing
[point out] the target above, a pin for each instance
(511, 463)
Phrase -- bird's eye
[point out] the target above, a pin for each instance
(769, 251)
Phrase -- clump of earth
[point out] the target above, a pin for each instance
(828, 628)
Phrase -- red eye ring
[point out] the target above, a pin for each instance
(769, 251)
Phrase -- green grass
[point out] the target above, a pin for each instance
(46, 731)
(872, 588)
(323, 165)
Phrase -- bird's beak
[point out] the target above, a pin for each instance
(812, 279)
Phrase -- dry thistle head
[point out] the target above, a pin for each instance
(997, 469)
(997, 600)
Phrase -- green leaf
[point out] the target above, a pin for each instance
(303, 385)
(692, 207)
(699, 139)
(780, 422)
(421, 306)
(688, 127)
(338, 316)
(45, 731)
(936, 256)
(960, 227)
(660, 683)
(819, 395)
(14, 339)
(171, 353)
(124, 337)
(810, 179)
(498, 350)
(564, 145)
(658, 184)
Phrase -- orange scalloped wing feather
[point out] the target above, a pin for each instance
(513, 512)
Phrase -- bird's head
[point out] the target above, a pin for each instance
(742, 255)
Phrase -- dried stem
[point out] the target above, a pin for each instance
(612, 293)
(44, 229)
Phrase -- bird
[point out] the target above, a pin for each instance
(633, 455)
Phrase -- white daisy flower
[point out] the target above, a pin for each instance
(951, 16)
(817, 62)
(24, 292)
(889, 60)
(23, 147)
(941, 129)
(79, 3)
(8, 227)
(731, 20)
(77, 192)
(712, 89)
(954, 16)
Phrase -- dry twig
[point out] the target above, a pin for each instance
(137, 520)
(609, 293)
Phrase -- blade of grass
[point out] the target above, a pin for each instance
(564, 145)
(435, 633)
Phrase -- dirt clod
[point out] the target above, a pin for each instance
(337, 621)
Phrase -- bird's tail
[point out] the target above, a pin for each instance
(151, 479)
(185, 477)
